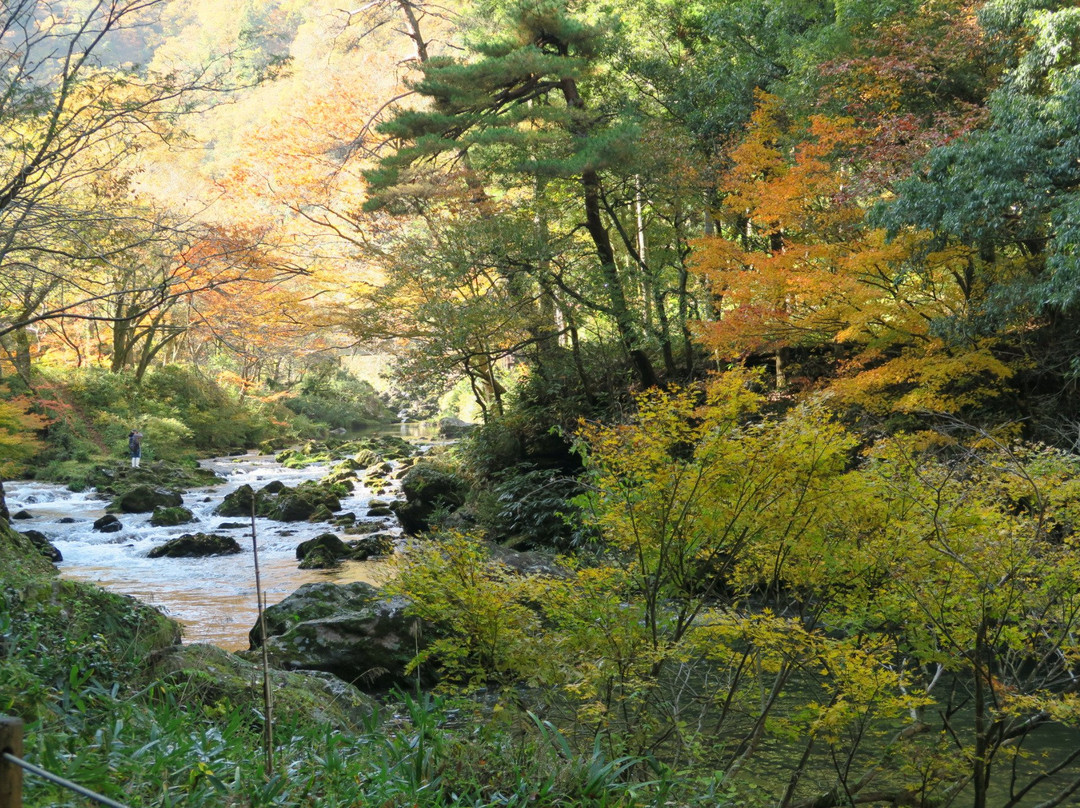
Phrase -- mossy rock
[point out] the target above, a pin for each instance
(365, 458)
(297, 462)
(145, 498)
(43, 545)
(117, 477)
(348, 465)
(394, 448)
(311, 602)
(298, 504)
(19, 558)
(321, 514)
(326, 541)
(170, 517)
(319, 558)
(205, 675)
(196, 545)
(377, 545)
(269, 447)
(238, 502)
(365, 528)
(348, 630)
(427, 489)
(133, 629)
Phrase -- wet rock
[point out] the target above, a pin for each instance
(22, 515)
(273, 487)
(237, 503)
(364, 528)
(320, 558)
(67, 520)
(108, 524)
(196, 545)
(233, 526)
(145, 498)
(326, 541)
(348, 630)
(43, 545)
(383, 511)
(376, 545)
(298, 504)
(321, 514)
(169, 517)
(427, 489)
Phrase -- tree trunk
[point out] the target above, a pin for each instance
(22, 358)
(605, 253)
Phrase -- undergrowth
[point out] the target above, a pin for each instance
(75, 666)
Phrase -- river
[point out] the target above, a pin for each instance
(213, 598)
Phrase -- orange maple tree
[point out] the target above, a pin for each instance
(797, 267)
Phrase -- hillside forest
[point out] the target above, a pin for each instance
(757, 323)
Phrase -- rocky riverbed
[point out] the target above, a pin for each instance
(213, 597)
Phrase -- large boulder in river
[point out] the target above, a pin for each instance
(170, 517)
(326, 541)
(236, 503)
(349, 630)
(116, 477)
(427, 489)
(108, 524)
(278, 501)
(377, 545)
(145, 498)
(196, 545)
(298, 504)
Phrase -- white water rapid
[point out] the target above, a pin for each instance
(214, 598)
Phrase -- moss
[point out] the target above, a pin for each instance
(20, 560)
(217, 680)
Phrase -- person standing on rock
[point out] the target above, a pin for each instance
(135, 447)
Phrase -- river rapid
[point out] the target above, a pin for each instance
(213, 598)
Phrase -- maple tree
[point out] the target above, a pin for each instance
(802, 275)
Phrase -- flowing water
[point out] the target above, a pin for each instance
(214, 598)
